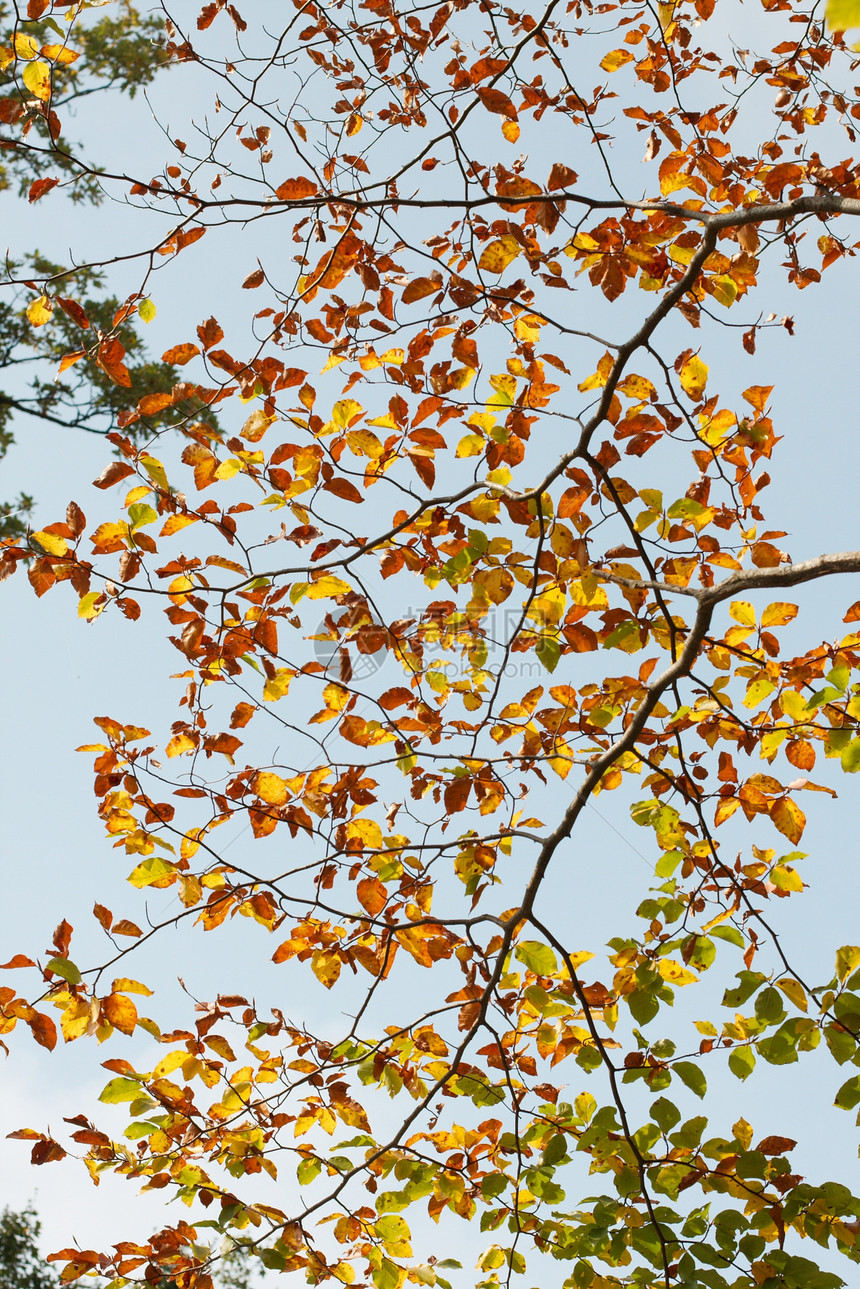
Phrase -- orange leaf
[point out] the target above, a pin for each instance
(121, 1012)
(372, 894)
(180, 354)
(421, 286)
(69, 360)
(296, 190)
(151, 404)
(111, 354)
(43, 1029)
(788, 818)
(75, 312)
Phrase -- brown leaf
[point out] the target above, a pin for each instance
(495, 101)
(112, 474)
(775, 1145)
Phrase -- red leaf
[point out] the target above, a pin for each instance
(15, 963)
(39, 187)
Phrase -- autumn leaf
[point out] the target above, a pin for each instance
(498, 254)
(37, 78)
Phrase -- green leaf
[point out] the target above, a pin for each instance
(66, 968)
(728, 933)
(849, 1094)
(548, 651)
(851, 757)
(555, 1151)
(644, 1005)
(120, 1089)
(139, 515)
(841, 1044)
(494, 1185)
(768, 1006)
(537, 957)
(307, 1170)
(665, 1114)
(149, 871)
(691, 1076)
(750, 981)
(146, 310)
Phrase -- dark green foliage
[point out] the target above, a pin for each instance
(118, 53)
(21, 1265)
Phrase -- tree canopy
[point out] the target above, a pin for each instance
(115, 53)
(21, 1264)
(456, 516)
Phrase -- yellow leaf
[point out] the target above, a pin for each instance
(511, 131)
(155, 470)
(498, 254)
(39, 311)
(169, 1063)
(788, 818)
(87, 605)
(725, 290)
(278, 685)
(26, 46)
(37, 77)
(617, 58)
(75, 1019)
(50, 542)
(326, 587)
(256, 425)
(180, 743)
(152, 872)
(757, 691)
(364, 443)
(776, 615)
(842, 15)
(227, 469)
(271, 787)
(60, 54)
(471, 445)
(675, 973)
(125, 985)
(527, 328)
(345, 411)
(694, 377)
(325, 966)
(743, 612)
